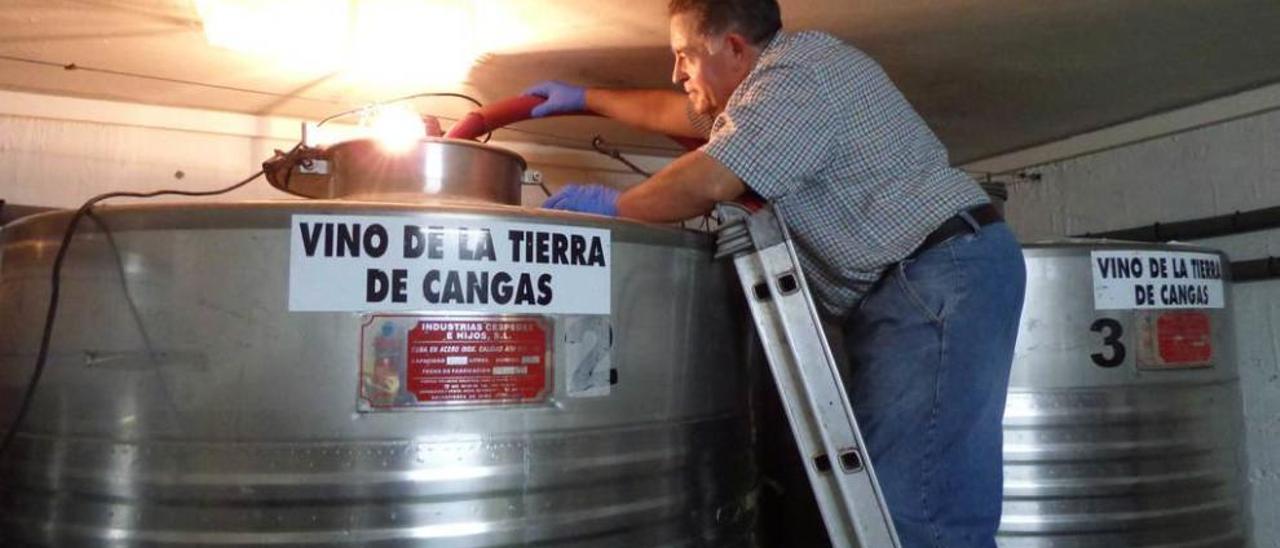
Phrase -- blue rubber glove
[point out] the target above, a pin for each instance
(598, 199)
(561, 98)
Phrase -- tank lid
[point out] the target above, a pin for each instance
(432, 169)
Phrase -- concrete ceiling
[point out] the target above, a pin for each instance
(990, 76)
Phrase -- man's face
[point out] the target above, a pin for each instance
(709, 67)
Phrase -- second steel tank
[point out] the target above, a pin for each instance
(1123, 423)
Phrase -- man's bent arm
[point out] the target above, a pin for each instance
(688, 187)
(662, 111)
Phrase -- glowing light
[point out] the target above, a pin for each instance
(382, 42)
(305, 34)
(397, 127)
(424, 42)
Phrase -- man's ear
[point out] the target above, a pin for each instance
(743, 52)
(738, 44)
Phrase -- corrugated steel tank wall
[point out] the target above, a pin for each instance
(184, 403)
(1123, 426)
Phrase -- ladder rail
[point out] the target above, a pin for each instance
(804, 369)
(835, 381)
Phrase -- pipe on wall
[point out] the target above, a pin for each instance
(1195, 229)
(1252, 270)
(1239, 222)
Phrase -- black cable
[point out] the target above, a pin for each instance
(55, 283)
(331, 117)
(598, 144)
(136, 314)
(473, 101)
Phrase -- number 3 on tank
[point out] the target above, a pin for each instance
(1111, 331)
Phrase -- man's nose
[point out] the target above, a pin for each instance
(677, 75)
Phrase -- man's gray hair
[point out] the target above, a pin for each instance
(758, 20)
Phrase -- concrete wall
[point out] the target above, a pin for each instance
(1183, 166)
(59, 151)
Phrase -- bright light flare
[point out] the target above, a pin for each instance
(380, 42)
(396, 127)
(419, 42)
(303, 34)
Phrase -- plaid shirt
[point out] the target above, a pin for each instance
(818, 128)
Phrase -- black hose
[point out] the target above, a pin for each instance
(55, 286)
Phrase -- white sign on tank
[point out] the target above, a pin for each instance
(1137, 279)
(341, 263)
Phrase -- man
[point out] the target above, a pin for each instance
(903, 249)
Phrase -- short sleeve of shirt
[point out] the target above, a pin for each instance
(776, 131)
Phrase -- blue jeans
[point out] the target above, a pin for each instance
(930, 349)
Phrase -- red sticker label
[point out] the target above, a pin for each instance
(477, 361)
(1184, 338)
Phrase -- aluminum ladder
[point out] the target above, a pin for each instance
(804, 370)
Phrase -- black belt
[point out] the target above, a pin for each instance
(984, 214)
